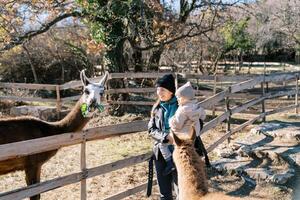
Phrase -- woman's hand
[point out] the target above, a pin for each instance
(170, 138)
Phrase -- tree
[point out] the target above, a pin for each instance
(23, 20)
(278, 24)
(146, 26)
(57, 56)
(125, 27)
(236, 38)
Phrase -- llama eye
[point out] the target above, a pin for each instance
(87, 92)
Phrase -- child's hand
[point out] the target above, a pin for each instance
(171, 123)
(172, 128)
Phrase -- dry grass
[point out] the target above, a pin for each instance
(67, 161)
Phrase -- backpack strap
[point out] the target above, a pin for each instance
(201, 124)
(150, 176)
(200, 148)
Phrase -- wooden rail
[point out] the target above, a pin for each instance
(28, 86)
(73, 178)
(29, 147)
(129, 192)
(9, 151)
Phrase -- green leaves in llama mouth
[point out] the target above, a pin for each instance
(84, 110)
(87, 111)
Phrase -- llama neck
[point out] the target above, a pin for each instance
(191, 173)
(74, 121)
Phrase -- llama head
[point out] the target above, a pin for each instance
(185, 139)
(92, 93)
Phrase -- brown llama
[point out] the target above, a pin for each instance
(192, 180)
(27, 128)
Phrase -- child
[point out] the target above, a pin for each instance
(188, 112)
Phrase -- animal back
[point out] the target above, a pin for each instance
(20, 129)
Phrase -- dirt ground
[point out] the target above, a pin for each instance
(67, 161)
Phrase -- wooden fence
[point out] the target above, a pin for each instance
(8, 151)
(205, 79)
(213, 80)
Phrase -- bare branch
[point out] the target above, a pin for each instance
(189, 34)
(45, 27)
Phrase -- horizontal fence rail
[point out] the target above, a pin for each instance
(29, 147)
(73, 178)
(28, 86)
(129, 192)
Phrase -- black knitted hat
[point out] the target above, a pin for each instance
(168, 82)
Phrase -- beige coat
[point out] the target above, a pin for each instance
(185, 116)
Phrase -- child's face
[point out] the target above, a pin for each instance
(181, 100)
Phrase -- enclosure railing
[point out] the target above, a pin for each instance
(213, 79)
(77, 84)
(18, 149)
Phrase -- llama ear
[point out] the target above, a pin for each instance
(177, 140)
(104, 79)
(85, 81)
(192, 132)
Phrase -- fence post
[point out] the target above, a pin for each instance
(176, 81)
(83, 168)
(296, 94)
(284, 82)
(214, 91)
(263, 101)
(58, 101)
(227, 109)
(262, 85)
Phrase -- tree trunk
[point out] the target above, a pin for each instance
(297, 57)
(240, 60)
(118, 65)
(61, 63)
(200, 62)
(216, 61)
(62, 73)
(31, 64)
(155, 58)
(116, 58)
(138, 60)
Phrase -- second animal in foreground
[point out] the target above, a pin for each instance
(192, 180)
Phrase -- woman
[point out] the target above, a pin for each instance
(159, 129)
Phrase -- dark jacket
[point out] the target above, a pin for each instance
(155, 128)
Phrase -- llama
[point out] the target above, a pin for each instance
(192, 180)
(27, 128)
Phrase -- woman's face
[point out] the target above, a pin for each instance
(163, 94)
